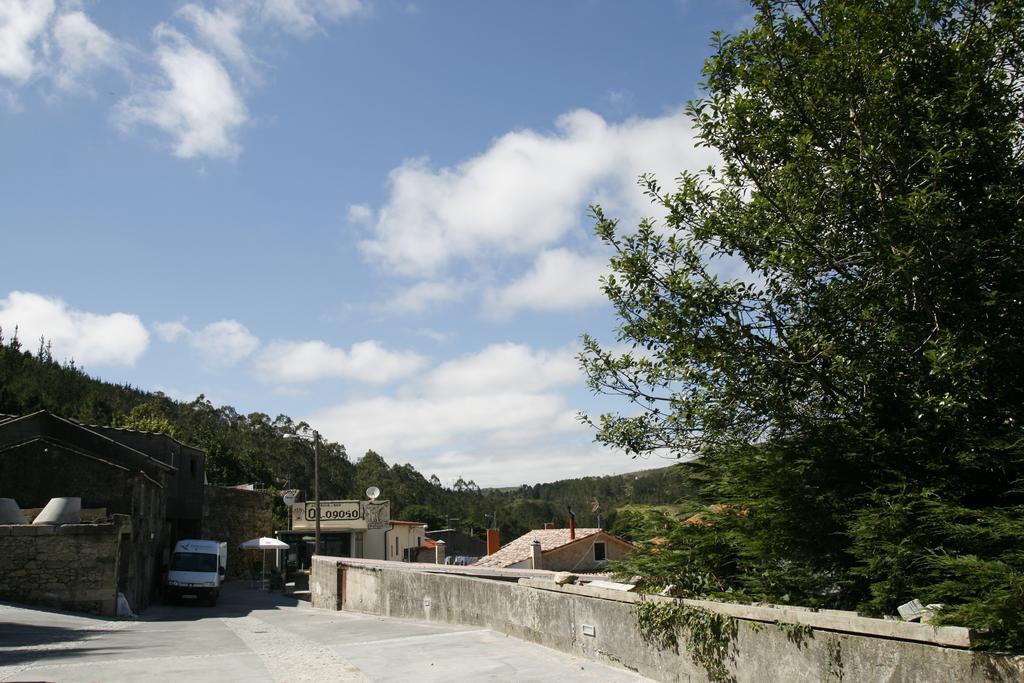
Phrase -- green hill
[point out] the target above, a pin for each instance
(253, 449)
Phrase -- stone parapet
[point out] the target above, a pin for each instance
(766, 643)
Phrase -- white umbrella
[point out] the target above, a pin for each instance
(263, 543)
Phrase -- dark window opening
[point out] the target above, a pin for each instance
(194, 562)
(192, 467)
(599, 552)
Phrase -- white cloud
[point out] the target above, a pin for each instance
(526, 192)
(9, 100)
(190, 85)
(503, 368)
(308, 361)
(84, 47)
(423, 295)
(197, 103)
(222, 30)
(224, 342)
(432, 334)
(171, 332)
(88, 338)
(506, 398)
(560, 280)
(302, 17)
(405, 425)
(22, 23)
(360, 214)
(220, 343)
(533, 464)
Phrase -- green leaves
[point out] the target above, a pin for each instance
(832, 317)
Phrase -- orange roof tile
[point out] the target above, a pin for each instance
(519, 549)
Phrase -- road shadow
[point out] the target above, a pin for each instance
(17, 635)
(27, 641)
(237, 599)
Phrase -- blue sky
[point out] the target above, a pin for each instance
(369, 215)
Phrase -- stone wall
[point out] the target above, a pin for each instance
(769, 644)
(71, 566)
(579, 556)
(235, 515)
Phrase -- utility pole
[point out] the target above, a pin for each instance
(316, 482)
(316, 489)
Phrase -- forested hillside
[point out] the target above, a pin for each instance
(253, 449)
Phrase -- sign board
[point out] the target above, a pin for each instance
(377, 514)
(342, 515)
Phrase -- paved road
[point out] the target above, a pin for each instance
(253, 636)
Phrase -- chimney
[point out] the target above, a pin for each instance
(536, 561)
(548, 525)
(439, 552)
(572, 525)
(493, 541)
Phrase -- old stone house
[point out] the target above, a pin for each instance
(155, 485)
(573, 550)
(43, 456)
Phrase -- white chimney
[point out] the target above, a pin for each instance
(536, 560)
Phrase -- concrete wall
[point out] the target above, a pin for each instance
(601, 625)
(72, 566)
(235, 515)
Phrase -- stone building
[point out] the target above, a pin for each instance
(187, 490)
(235, 515)
(155, 482)
(43, 456)
(573, 550)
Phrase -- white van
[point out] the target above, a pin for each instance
(197, 571)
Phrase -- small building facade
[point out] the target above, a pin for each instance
(404, 540)
(348, 528)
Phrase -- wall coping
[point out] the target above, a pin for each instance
(118, 524)
(428, 568)
(827, 620)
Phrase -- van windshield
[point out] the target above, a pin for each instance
(194, 562)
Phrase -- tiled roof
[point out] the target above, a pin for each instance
(519, 549)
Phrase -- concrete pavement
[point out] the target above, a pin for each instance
(254, 636)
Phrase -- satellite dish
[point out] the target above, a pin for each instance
(372, 493)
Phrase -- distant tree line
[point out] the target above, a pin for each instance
(253, 448)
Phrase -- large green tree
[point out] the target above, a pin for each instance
(831, 317)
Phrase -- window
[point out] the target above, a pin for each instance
(194, 562)
(192, 467)
(600, 554)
